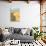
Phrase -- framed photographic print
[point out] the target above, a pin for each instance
(15, 15)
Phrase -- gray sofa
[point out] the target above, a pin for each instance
(15, 33)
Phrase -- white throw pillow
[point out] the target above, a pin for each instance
(6, 32)
(23, 31)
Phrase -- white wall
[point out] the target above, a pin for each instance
(29, 14)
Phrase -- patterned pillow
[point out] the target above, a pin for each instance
(11, 30)
(17, 30)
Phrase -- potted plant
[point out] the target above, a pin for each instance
(35, 34)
